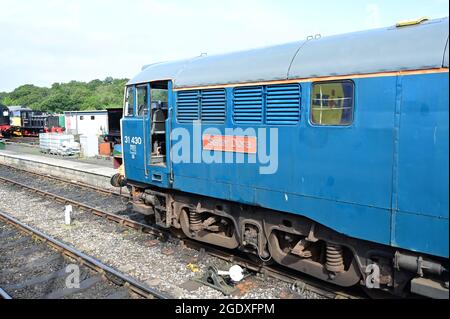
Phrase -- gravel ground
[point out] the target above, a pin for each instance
(25, 149)
(26, 251)
(162, 265)
(105, 202)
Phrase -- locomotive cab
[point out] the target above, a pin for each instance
(145, 146)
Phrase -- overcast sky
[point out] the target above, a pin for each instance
(47, 41)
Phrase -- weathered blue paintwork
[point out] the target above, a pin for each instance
(383, 179)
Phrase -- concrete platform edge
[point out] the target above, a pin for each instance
(71, 174)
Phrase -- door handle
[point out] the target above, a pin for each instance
(156, 177)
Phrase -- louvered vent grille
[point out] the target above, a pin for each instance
(283, 104)
(248, 103)
(213, 106)
(187, 106)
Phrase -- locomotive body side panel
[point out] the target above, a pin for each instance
(420, 203)
(338, 176)
(354, 179)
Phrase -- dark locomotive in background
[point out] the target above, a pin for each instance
(35, 122)
(22, 121)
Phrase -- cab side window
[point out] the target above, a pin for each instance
(142, 101)
(129, 102)
(332, 103)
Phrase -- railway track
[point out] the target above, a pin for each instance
(120, 214)
(27, 141)
(35, 265)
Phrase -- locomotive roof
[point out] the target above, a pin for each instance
(14, 108)
(416, 47)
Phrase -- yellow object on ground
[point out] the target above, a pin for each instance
(192, 267)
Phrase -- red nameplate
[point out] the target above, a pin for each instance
(224, 143)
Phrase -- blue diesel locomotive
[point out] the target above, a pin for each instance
(328, 156)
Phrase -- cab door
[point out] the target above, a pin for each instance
(158, 130)
(135, 136)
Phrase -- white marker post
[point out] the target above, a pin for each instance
(67, 217)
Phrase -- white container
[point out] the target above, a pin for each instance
(60, 144)
(89, 145)
(69, 148)
(44, 142)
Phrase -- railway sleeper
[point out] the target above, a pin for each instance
(295, 242)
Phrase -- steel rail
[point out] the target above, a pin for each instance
(321, 288)
(75, 183)
(109, 216)
(4, 294)
(86, 260)
(28, 143)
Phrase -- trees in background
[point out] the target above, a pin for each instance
(72, 96)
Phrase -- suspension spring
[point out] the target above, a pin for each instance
(195, 221)
(335, 258)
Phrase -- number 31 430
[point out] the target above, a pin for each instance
(136, 140)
